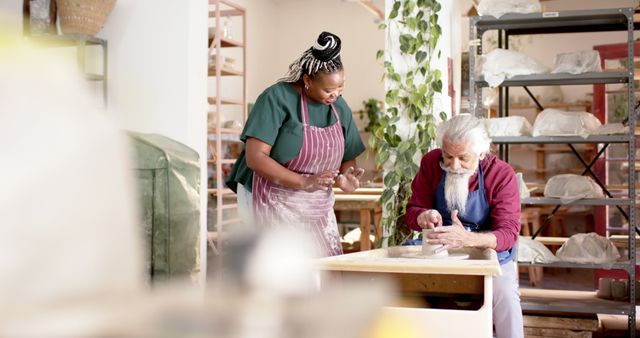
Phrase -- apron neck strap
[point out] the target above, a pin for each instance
(304, 109)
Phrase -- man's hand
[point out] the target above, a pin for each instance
(429, 219)
(453, 236)
(349, 181)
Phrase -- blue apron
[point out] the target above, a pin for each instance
(476, 217)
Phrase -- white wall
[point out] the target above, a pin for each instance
(280, 30)
(157, 73)
(449, 19)
(449, 46)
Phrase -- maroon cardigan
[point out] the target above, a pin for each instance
(501, 187)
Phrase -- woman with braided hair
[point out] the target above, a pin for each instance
(300, 141)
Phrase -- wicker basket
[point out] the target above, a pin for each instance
(83, 16)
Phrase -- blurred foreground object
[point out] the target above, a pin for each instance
(70, 247)
(271, 289)
(71, 262)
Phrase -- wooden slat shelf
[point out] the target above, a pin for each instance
(215, 235)
(212, 100)
(230, 131)
(225, 72)
(225, 161)
(227, 43)
(229, 206)
(225, 137)
(225, 191)
(231, 221)
(232, 5)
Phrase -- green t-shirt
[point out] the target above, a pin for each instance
(275, 119)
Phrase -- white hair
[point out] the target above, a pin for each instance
(464, 127)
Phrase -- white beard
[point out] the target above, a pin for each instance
(456, 188)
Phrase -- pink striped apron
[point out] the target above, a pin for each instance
(312, 212)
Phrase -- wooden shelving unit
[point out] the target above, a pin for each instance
(223, 17)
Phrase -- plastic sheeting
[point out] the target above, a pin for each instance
(554, 122)
(611, 129)
(501, 64)
(577, 62)
(499, 8)
(508, 126)
(588, 248)
(530, 250)
(168, 175)
(570, 187)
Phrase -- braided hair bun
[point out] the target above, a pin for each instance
(327, 47)
(323, 56)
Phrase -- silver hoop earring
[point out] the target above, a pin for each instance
(306, 87)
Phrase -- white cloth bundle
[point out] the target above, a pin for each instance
(588, 248)
(499, 8)
(570, 187)
(554, 122)
(508, 126)
(577, 62)
(530, 250)
(501, 64)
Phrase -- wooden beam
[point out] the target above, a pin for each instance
(371, 7)
(565, 323)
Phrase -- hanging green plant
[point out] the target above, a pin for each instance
(410, 95)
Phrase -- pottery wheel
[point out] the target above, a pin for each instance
(450, 256)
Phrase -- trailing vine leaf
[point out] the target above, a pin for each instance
(410, 95)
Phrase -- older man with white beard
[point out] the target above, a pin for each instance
(471, 198)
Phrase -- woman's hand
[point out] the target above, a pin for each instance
(320, 181)
(349, 181)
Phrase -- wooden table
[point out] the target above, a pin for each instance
(367, 202)
(416, 277)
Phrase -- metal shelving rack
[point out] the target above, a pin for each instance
(567, 22)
